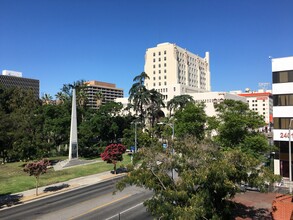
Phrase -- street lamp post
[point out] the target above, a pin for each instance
(290, 156)
(171, 125)
(135, 137)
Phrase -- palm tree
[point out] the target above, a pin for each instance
(82, 98)
(47, 98)
(155, 104)
(99, 98)
(139, 95)
(179, 102)
(61, 97)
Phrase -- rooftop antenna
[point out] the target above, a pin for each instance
(263, 85)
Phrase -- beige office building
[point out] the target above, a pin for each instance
(176, 71)
(109, 91)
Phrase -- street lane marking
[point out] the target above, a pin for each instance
(133, 207)
(101, 206)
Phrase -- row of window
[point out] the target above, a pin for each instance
(256, 100)
(154, 72)
(154, 78)
(257, 105)
(165, 64)
(165, 52)
(165, 83)
(165, 89)
(283, 100)
(283, 76)
(256, 109)
(281, 123)
(154, 60)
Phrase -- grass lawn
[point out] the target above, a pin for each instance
(13, 179)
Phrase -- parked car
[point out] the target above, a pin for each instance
(120, 170)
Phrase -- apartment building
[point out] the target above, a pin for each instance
(173, 71)
(282, 88)
(12, 79)
(108, 90)
(260, 101)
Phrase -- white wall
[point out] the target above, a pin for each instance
(282, 88)
(281, 64)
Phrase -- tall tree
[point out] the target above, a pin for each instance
(155, 105)
(238, 127)
(179, 102)
(191, 121)
(139, 95)
(99, 98)
(47, 99)
(61, 97)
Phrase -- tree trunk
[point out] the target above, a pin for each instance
(114, 168)
(37, 185)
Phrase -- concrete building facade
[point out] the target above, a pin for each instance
(282, 88)
(12, 79)
(260, 101)
(108, 91)
(173, 71)
(210, 98)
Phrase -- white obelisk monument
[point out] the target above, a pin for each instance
(73, 146)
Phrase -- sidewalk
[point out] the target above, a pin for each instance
(17, 198)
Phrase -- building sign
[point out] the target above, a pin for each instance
(282, 135)
(261, 98)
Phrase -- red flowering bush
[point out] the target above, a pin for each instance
(113, 153)
(36, 169)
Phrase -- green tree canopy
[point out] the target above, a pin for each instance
(191, 121)
(238, 127)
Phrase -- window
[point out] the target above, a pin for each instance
(165, 77)
(154, 54)
(165, 83)
(154, 66)
(154, 60)
(159, 65)
(154, 84)
(283, 100)
(154, 78)
(174, 89)
(283, 77)
(281, 123)
(165, 52)
(159, 77)
(159, 83)
(165, 58)
(159, 71)
(159, 53)
(154, 72)
(165, 64)
(165, 71)
(159, 59)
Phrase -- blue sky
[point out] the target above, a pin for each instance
(62, 41)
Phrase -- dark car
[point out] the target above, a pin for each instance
(120, 170)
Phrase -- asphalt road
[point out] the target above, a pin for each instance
(92, 202)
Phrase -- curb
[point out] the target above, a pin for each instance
(73, 186)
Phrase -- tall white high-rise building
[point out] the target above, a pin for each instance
(173, 71)
(282, 69)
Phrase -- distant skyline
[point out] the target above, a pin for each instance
(62, 41)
